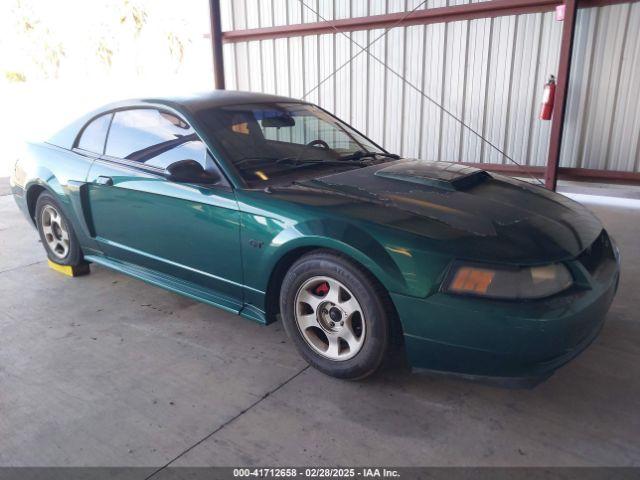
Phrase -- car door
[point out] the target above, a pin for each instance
(186, 231)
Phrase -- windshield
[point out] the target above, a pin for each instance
(276, 142)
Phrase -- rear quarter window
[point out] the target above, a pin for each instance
(94, 134)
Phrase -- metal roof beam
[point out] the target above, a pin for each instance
(494, 8)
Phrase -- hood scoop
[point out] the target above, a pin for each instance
(440, 175)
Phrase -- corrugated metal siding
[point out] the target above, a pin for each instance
(487, 72)
(604, 102)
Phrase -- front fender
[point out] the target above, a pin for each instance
(268, 237)
(345, 238)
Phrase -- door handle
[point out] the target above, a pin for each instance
(106, 181)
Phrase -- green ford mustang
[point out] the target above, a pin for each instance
(267, 206)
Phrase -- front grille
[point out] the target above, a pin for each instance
(599, 252)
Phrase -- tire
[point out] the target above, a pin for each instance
(318, 312)
(56, 232)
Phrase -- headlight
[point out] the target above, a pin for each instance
(507, 283)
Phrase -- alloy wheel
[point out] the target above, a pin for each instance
(330, 318)
(55, 231)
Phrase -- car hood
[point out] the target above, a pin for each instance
(464, 211)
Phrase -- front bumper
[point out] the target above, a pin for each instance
(507, 339)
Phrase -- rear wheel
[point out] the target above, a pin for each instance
(336, 315)
(56, 232)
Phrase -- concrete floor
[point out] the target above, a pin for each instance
(106, 370)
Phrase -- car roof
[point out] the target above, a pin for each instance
(220, 98)
(187, 104)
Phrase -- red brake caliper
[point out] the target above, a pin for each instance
(322, 289)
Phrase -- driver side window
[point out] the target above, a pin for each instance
(154, 138)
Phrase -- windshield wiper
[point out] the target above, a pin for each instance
(358, 154)
(301, 162)
(248, 160)
(252, 162)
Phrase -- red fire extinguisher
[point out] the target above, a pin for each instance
(546, 108)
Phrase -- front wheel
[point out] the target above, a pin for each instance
(336, 314)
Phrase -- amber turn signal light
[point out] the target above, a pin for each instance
(508, 282)
(471, 280)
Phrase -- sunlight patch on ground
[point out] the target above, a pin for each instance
(606, 201)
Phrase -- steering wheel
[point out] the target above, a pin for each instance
(313, 143)
(319, 142)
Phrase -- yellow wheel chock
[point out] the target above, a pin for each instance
(82, 269)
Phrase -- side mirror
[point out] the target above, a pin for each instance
(190, 171)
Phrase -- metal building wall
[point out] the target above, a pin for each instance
(488, 72)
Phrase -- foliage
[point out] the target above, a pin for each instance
(105, 54)
(100, 37)
(38, 42)
(133, 15)
(15, 77)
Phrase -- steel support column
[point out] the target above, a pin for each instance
(564, 70)
(216, 44)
